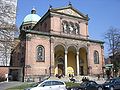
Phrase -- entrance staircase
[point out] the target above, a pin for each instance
(78, 79)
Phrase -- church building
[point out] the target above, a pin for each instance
(58, 43)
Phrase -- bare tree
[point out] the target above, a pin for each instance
(7, 29)
(113, 41)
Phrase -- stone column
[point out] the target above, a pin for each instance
(66, 63)
(77, 63)
(52, 60)
(89, 59)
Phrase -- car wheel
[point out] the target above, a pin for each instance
(100, 88)
(111, 88)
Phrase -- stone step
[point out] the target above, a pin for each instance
(77, 78)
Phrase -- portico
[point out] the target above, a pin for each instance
(70, 60)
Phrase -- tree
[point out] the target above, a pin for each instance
(113, 40)
(7, 29)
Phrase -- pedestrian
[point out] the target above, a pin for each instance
(98, 76)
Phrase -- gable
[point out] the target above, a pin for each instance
(70, 11)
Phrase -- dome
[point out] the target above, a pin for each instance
(32, 18)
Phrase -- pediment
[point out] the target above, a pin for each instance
(70, 11)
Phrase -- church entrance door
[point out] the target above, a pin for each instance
(61, 69)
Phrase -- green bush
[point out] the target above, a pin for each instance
(70, 84)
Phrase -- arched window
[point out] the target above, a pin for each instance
(71, 27)
(96, 57)
(65, 27)
(77, 28)
(40, 53)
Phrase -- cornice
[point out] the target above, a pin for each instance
(61, 36)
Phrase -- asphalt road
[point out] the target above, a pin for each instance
(6, 85)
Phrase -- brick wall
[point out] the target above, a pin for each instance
(3, 71)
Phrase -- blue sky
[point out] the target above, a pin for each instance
(102, 13)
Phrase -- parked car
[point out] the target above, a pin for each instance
(112, 84)
(87, 85)
(50, 85)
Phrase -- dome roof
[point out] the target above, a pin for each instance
(32, 18)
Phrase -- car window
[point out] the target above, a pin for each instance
(92, 83)
(110, 81)
(57, 83)
(47, 83)
(83, 84)
(117, 81)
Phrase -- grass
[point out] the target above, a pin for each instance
(27, 85)
(21, 87)
(70, 84)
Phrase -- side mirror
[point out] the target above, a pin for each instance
(43, 85)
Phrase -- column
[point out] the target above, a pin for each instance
(77, 63)
(52, 61)
(66, 63)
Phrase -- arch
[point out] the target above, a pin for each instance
(71, 61)
(59, 51)
(83, 62)
(72, 46)
(83, 46)
(59, 44)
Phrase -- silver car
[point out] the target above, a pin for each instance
(50, 85)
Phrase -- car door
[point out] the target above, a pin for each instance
(57, 85)
(91, 86)
(45, 86)
(117, 84)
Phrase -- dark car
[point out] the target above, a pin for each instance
(87, 85)
(112, 84)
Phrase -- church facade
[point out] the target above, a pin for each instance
(58, 44)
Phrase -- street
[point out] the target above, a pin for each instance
(6, 85)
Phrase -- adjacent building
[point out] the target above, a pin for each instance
(7, 23)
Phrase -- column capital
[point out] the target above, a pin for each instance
(77, 52)
(66, 51)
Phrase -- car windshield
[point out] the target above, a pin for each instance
(110, 81)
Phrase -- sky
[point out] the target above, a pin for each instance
(103, 14)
